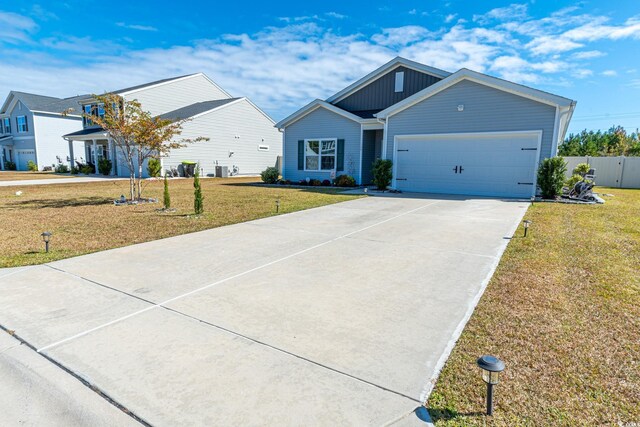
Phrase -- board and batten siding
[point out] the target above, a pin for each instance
(176, 94)
(322, 123)
(50, 145)
(239, 128)
(485, 110)
(381, 93)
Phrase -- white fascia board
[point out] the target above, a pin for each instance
(389, 66)
(312, 106)
(5, 105)
(483, 79)
(49, 113)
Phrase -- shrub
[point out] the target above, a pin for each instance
(154, 167)
(87, 169)
(270, 175)
(10, 166)
(32, 166)
(198, 199)
(345, 181)
(326, 183)
(74, 170)
(581, 169)
(302, 182)
(551, 176)
(571, 182)
(315, 182)
(382, 173)
(62, 168)
(104, 166)
(166, 196)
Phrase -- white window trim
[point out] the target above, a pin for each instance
(399, 87)
(335, 155)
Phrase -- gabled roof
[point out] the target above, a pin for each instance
(312, 106)
(379, 72)
(87, 132)
(146, 85)
(197, 108)
(483, 79)
(45, 104)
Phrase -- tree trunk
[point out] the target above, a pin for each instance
(140, 161)
(132, 179)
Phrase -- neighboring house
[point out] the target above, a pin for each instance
(459, 133)
(241, 136)
(32, 126)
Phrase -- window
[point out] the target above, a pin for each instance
(96, 110)
(400, 81)
(21, 124)
(320, 154)
(7, 125)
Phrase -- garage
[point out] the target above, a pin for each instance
(501, 164)
(23, 157)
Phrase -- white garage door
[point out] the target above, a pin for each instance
(23, 157)
(483, 164)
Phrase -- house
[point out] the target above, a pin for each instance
(241, 136)
(458, 133)
(32, 126)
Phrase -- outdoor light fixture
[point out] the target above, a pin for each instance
(277, 205)
(45, 238)
(526, 223)
(533, 199)
(491, 367)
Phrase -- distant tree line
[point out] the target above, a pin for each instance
(614, 142)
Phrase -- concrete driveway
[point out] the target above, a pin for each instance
(338, 315)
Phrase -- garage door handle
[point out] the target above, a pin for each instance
(403, 150)
(525, 183)
(529, 149)
(401, 179)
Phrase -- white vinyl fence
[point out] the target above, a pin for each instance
(620, 172)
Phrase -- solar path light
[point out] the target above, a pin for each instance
(526, 224)
(491, 367)
(46, 236)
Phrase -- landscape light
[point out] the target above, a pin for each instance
(277, 205)
(46, 236)
(526, 223)
(491, 367)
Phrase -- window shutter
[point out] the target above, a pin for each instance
(26, 123)
(301, 154)
(340, 159)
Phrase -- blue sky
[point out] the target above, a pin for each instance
(284, 54)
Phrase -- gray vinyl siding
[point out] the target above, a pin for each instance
(176, 94)
(485, 110)
(240, 128)
(50, 144)
(381, 94)
(321, 123)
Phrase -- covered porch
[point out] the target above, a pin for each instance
(372, 144)
(89, 146)
(7, 152)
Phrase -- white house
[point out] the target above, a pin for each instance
(32, 128)
(241, 136)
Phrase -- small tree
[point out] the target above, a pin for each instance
(154, 167)
(167, 197)
(137, 134)
(551, 177)
(382, 173)
(198, 206)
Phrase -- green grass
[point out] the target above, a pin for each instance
(83, 218)
(563, 312)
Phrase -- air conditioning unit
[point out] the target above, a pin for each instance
(222, 171)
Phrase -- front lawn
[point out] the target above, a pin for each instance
(83, 218)
(563, 312)
(23, 176)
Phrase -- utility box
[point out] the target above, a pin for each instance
(222, 171)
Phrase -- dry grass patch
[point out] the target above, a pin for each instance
(563, 312)
(83, 218)
(24, 176)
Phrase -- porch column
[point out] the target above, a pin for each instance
(72, 161)
(113, 157)
(2, 157)
(95, 155)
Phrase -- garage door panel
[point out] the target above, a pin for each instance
(492, 164)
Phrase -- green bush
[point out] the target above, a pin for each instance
(154, 167)
(551, 177)
(104, 166)
(74, 170)
(87, 169)
(315, 183)
(62, 168)
(581, 169)
(166, 196)
(345, 181)
(571, 182)
(198, 200)
(10, 166)
(32, 166)
(382, 173)
(270, 175)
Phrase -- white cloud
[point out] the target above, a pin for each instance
(136, 26)
(610, 73)
(582, 73)
(336, 15)
(15, 28)
(400, 36)
(511, 12)
(635, 83)
(449, 18)
(588, 54)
